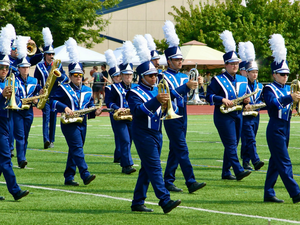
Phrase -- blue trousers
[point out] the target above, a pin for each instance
(179, 152)
(117, 152)
(75, 136)
(123, 132)
(278, 134)
(229, 127)
(248, 136)
(149, 148)
(6, 166)
(22, 124)
(49, 123)
(11, 134)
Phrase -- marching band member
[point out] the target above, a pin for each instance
(41, 73)
(5, 94)
(176, 128)
(222, 89)
(114, 73)
(117, 101)
(279, 100)
(27, 87)
(251, 122)
(67, 98)
(145, 104)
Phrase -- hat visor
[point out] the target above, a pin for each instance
(76, 71)
(4, 63)
(24, 65)
(233, 60)
(155, 57)
(251, 69)
(115, 74)
(282, 71)
(178, 56)
(150, 72)
(50, 51)
(127, 71)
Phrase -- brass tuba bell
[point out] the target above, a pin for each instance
(31, 48)
(163, 87)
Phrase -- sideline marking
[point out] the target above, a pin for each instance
(152, 203)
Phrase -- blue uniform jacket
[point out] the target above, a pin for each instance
(278, 100)
(117, 96)
(69, 95)
(145, 108)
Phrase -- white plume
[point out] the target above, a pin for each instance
(141, 46)
(47, 36)
(111, 58)
(249, 51)
(228, 41)
(150, 41)
(170, 34)
(21, 42)
(278, 47)
(12, 31)
(5, 41)
(71, 46)
(128, 52)
(242, 51)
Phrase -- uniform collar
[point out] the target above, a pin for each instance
(278, 84)
(172, 71)
(146, 86)
(229, 76)
(125, 86)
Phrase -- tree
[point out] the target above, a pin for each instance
(255, 23)
(65, 18)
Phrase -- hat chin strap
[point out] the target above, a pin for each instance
(173, 65)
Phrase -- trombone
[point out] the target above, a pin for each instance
(163, 87)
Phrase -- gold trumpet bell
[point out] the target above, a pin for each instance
(170, 115)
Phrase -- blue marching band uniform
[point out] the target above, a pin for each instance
(41, 73)
(23, 118)
(250, 128)
(229, 125)
(117, 152)
(76, 98)
(176, 130)
(122, 128)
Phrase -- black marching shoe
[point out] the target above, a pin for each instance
(117, 160)
(296, 199)
(71, 183)
(173, 188)
(2, 198)
(247, 166)
(20, 194)
(128, 169)
(273, 199)
(196, 186)
(23, 164)
(140, 208)
(46, 144)
(229, 177)
(89, 179)
(171, 205)
(243, 174)
(258, 165)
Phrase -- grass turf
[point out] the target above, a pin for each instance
(107, 199)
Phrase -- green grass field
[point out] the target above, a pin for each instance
(107, 199)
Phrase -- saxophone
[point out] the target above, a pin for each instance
(295, 86)
(122, 115)
(251, 111)
(54, 73)
(235, 106)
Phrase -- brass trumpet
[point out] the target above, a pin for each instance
(11, 80)
(195, 100)
(163, 87)
(295, 86)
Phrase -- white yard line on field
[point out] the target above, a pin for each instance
(152, 203)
